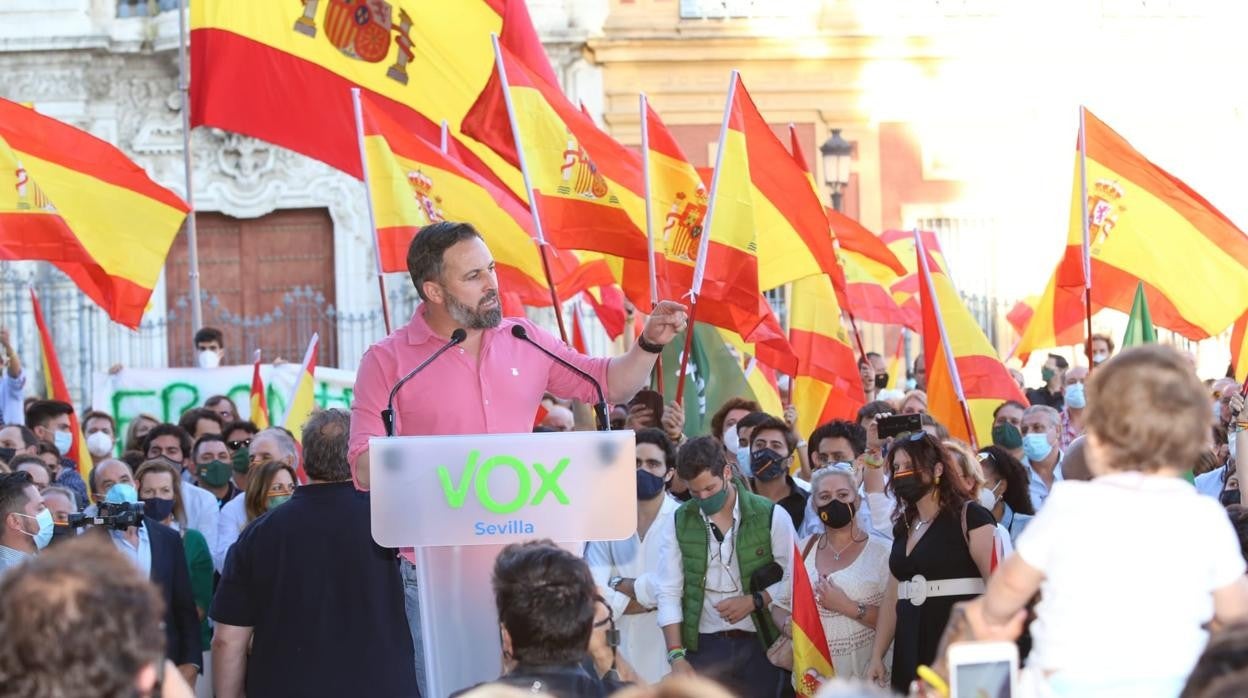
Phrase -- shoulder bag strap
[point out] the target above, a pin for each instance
(810, 544)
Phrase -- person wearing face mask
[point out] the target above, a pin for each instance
(848, 571)
(26, 519)
(49, 420)
(1053, 373)
(715, 621)
(1041, 455)
(270, 445)
(214, 468)
(1075, 401)
(1005, 481)
(100, 430)
(209, 347)
(62, 503)
(1102, 348)
(160, 490)
(626, 571)
(771, 455)
(1007, 423)
(1214, 482)
(270, 487)
(941, 554)
(158, 553)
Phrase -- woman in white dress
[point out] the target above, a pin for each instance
(848, 570)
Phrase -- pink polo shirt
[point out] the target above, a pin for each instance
(497, 394)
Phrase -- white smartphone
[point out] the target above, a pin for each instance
(983, 669)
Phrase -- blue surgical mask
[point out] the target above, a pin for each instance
(121, 493)
(46, 525)
(63, 440)
(744, 462)
(1036, 447)
(1075, 396)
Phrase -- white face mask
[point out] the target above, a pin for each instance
(1099, 357)
(209, 359)
(987, 499)
(99, 444)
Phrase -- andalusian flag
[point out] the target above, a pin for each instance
(69, 198)
(1140, 322)
(812, 658)
(259, 403)
(1239, 349)
(714, 375)
(302, 402)
(965, 379)
(414, 184)
(282, 71)
(54, 387)
(1143, 226)
(826, 385)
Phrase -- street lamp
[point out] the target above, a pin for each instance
(836, 152)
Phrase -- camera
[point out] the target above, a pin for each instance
(117, 516)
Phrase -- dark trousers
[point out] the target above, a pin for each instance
(737, 661)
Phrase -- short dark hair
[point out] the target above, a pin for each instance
(838, 429)
(721, 414)
(23, 459)
(241, 424)
(874, 355)
(425, 253)
(1225, 656)
(699, 455)
(656, 437)
(167, 429)
(209, 334)
(221, 398)
(97, 414)
(545, 597)
(28, 436)
(1062, 363)
(190, 419)
(13, 492)
(59, 609)
(41, 412)
(873, 408)
(1008, 403)
(203, 440)
(325, 446)
(752, 420)
(1017, 481)
(776, 424)
(48, 447)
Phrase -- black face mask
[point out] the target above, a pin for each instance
(60, 534)
(6, 454)
(1229, 497)
(767, 465)
(881, 381)
(836, 514)
(910, 487)
(681, 496)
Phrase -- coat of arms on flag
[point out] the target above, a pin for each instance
(361, 30)
(684, 225)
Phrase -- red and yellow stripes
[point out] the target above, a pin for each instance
(80, 203)
(1141, 220)
(259, 402)
(812, 657)
(826, 385)
(54, 387)
(1239, 349)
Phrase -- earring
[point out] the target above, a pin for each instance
(937, 480)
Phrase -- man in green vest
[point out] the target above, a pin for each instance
(727, 559)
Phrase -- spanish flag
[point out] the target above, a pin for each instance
(905, 288)
(1143, 226)
(414, 184)
(1239, 349)
(259, 403)
(69, 198)
(54, 387)
(302, 402)
(812, 657)
(965, 379)
(826, 385)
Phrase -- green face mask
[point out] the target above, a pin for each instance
(1007, 436)
(1046, 374)
(240, 460)
(214, 474)
(712, 504)
(278, 500)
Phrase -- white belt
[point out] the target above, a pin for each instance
(919, 590)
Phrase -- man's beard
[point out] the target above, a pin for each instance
(475, 318)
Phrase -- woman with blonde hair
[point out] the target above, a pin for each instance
(915, 402)
(268, 486)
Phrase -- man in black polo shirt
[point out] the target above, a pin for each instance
(319, 602)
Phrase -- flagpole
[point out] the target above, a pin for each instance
(528, 186)
(192, 232)
(699, 270)
(446, 136)
(926, 272)
(651, 263)
(368, 194)
(1087, 242)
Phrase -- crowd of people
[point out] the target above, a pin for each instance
(1098, 531)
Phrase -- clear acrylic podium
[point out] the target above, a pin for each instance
(459, 499)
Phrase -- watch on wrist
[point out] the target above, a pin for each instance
(648, 346)
(758, 601)
(614, 582)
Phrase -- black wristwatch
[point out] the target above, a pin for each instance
(758, 601)
(647, 345)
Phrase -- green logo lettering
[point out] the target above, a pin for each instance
(455, 494)
(483, 485)
(478, 478)
(550, 482)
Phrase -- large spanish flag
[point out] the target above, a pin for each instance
(965, 379)
(54, 387)
(812, 656)
(905, 288)
(414, 184)
(282, 71)
(1144, 226)
(69, 198)
(1239, 349)
(827, 385)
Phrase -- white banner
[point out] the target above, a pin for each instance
(165, 393)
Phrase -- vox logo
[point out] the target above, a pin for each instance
(535, 482)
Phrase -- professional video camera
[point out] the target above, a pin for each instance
(117, 516)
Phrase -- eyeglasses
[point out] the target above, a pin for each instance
(235, 445)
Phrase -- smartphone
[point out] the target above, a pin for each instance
(983, 670)
(895, 424)
(652, 401)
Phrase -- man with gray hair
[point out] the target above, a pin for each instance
(272, 444)
(1042, 453)
(305, 586)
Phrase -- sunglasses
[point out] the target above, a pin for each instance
(235, 445)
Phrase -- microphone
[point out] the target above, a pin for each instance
(600, 409)
(387, 415)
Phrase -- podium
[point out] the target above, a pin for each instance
(459, 499)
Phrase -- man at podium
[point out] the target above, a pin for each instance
(491, 378)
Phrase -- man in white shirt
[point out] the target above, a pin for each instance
(1042, 450)
(725, 560)
(269, 445)
(626, 571)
